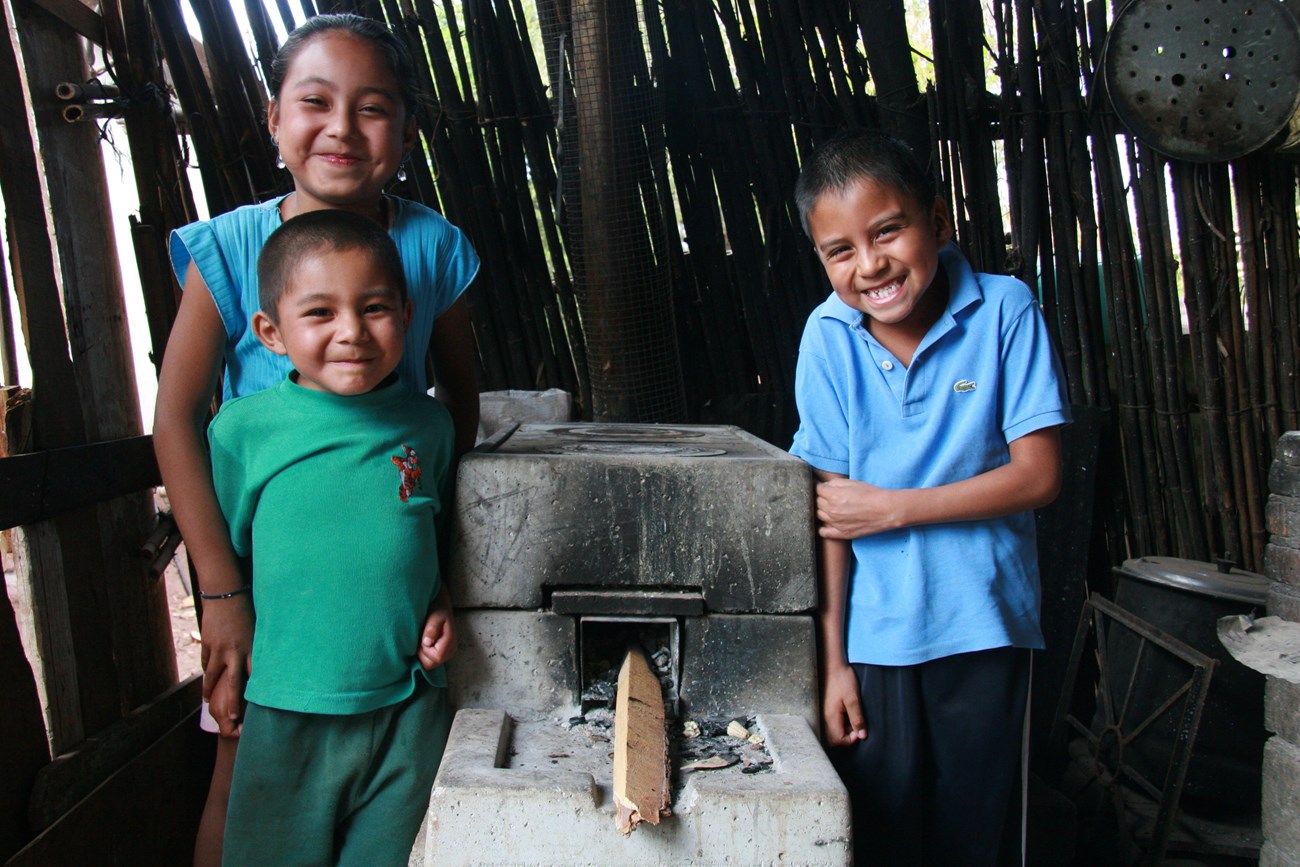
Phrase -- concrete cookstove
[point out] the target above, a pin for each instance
(572, 538)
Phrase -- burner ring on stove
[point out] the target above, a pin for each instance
(619, 449)
(624, 432)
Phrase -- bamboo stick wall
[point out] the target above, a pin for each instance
(1171, 288)
(1124, 243)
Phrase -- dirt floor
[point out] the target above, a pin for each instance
(185, 628)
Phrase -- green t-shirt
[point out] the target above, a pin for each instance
(337, 503)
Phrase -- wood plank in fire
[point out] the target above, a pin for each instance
(641, 790)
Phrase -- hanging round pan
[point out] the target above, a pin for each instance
(1204, 80)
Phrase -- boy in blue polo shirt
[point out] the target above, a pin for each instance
(929, 401)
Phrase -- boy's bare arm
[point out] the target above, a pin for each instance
(438, 638)
(847, 509)
(185, 388)
(842, 719)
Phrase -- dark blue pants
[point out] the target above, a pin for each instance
(936, 782)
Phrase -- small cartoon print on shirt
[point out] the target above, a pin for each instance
(962, 386)
(408, 469)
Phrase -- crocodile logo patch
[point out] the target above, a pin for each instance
(962, 386)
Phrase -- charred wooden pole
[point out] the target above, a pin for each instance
(626, 304)
(1074, 222)
(690, 130)
(1216, 211)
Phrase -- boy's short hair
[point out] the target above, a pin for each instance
(315, 231)
(855, 155)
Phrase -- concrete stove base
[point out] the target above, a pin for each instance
(484, 810)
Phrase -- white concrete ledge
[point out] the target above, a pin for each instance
(484, 812)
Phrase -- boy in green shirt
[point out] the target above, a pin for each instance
(335, 487)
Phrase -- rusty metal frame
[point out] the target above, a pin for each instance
(1098, 617)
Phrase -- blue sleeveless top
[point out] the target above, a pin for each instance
(437, 257)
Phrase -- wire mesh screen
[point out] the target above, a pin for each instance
(617, 211)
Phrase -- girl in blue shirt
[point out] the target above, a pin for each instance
(342, 113)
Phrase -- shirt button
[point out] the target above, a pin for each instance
(886, 365)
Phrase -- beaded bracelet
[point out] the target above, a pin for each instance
(209, 596)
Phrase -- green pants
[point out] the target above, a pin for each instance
(320, 789)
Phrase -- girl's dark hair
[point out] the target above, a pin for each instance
(326, 229)
(385, 40)
(857, 155)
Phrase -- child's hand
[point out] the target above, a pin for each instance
(227, 659)
(227, 703)
(847, 509)
(438, 639)
(842, 720)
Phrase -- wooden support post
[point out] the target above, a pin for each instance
(641, 792)
(102, 620)
(626, 300)
(55, 419)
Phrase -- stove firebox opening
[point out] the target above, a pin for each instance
(603, 642)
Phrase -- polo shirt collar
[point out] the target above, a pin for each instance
(963, 288)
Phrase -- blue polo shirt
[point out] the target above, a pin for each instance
(984, 375)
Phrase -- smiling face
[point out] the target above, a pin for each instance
(880, 249)
(340, 122)
(342, 322)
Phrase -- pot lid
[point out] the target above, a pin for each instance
(1222, 579)
(1204, 82)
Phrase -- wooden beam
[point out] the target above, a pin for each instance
(147, 812)
(73, 776)
(41, 485)
(77, 15)
(641, 792)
